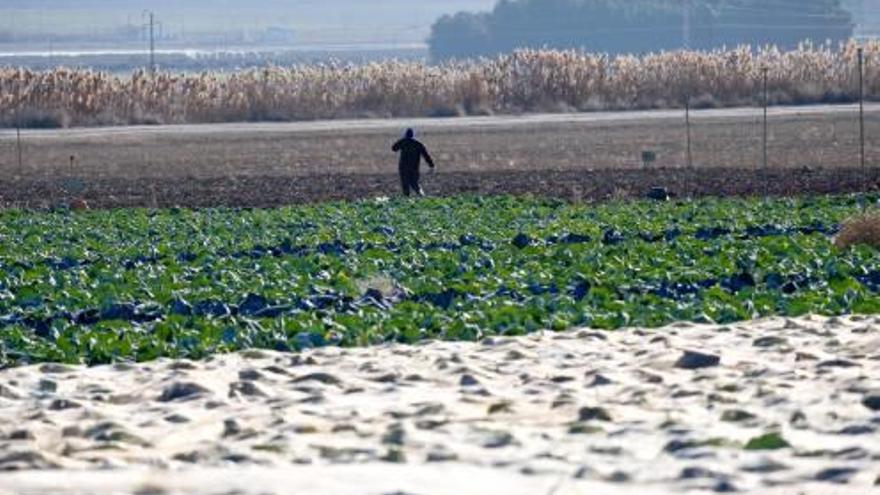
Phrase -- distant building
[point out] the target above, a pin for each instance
(277, 36)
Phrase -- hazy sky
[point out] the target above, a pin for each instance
(315, 20)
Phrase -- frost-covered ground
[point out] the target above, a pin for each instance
(629, 412)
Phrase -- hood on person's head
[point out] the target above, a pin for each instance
(409, 134)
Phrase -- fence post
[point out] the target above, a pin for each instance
(764, 71)
(765, 100)
(687, 121)
(18, 140)
(862, 108)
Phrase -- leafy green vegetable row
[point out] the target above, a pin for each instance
(139, 284)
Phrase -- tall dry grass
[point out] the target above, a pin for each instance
(860, 230)
(527, 80)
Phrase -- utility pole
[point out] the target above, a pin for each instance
(18, 140)
(764, 71)
(152, 26)
(765, 185)
(687, 120)
(18, 130)
(152, 46)
(862, 107)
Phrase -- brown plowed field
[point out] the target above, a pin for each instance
(578, 185)
(576, 156)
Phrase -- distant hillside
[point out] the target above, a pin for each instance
(867, 16)
(638, 26)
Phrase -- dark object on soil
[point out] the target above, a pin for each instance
(599, 381)
(252, 304)
(659, 194)
(574, 239)
(182, 391)
(521, 241)
(738, 282)
(593, 413)
(120, 312)
(872, 402)
(612, 237)
(711, 233)
(468, 381)
(692, 360)
(442, 300)
(79, 204)
(836, 474)
(216, 309)
(181, 308)
(837, 363)
(580, 290)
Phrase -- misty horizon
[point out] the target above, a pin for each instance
(227, 22)
(227, 34)
(231, 22)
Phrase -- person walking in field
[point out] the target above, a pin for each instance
(411, 154)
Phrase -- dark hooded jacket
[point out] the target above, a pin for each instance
(411, 154)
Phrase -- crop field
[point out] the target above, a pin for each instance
(578, 156)
(100, 286)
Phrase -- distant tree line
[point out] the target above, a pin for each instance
(638, 26)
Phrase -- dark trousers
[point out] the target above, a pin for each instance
(409, 180)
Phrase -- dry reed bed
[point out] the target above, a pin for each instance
(860, 230)
(527, 80)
